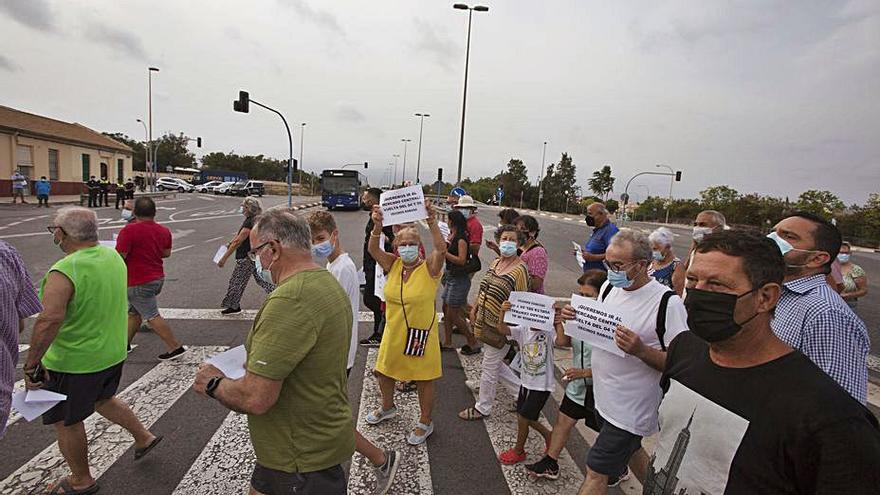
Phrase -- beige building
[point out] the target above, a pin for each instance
(66, 153)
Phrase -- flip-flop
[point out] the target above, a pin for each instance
(68, 489)
(471, 414)
(138, 453)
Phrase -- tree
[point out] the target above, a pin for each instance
(822, 203)
(255, 166)
(602, 183)
(560, 184)
(173, 151)
(718, 197)
(138, 150)
(515, 182)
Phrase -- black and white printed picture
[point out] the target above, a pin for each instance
(697, 442)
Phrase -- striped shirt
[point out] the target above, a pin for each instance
(814, 319)
(18, 300)
(494, 290)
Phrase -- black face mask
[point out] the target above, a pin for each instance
(710, 314)
(367, 207)
(590, 221)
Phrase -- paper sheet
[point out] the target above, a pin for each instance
(444, 229)
(362, 277)
(595, 324)
(230, 362)
(219, 255)
(578, 255)
(403, 205)
(41, 395)
(531, 310)
(31, 410)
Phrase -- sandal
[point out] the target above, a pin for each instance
(468, 350)
(138, 453)
(471, 414)
(414, 439)
(405, 387)
(68, 489)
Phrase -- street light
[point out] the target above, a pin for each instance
(146, 146)
(152, 169)
(302, 136)
(421, 117)
(394, 183)
(403, 175)
(242, 104)
(541, 177)
(478, 8)
(671, 181)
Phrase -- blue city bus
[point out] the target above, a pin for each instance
(342, 188)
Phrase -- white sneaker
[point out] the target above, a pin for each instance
(385, 473)
(373, 418)
(474, 385)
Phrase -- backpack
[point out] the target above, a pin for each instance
(661, 312)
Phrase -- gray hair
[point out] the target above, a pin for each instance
(281, 224)
(637, 240)
(717, 217)
(252, 206)
(662, 236)
(600, 207)
(80, 224)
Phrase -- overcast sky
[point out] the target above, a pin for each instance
(768, 97)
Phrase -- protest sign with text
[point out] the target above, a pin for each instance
(403, 205)
(530, 310)
(594, 324)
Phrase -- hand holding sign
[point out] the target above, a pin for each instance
(594, 323)
(531, 310)
(403, 205)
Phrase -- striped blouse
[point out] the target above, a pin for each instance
(494, 290)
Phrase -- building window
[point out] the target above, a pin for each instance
(25, 160)
(120, 169)
(53, 164)
(104, 173)
(86, 167)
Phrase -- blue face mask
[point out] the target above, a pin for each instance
(409, 254)
(784, 245)
(465, 212)
(265, 273)
(127, 214)
(619, 279)
(658, 256)
(507, 248)
(843, 258)
(322, 249)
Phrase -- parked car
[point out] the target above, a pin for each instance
(223, 188)
(249, 188)
(208, 186)
(172, 183)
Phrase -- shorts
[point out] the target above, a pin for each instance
(612, 450)
(330, 481)
(576, 411)
(530, 402)
(456, 290)
(142, 299)
(83, 390)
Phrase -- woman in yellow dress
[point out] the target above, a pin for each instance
(410, 348)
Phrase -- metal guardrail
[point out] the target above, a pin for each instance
(157, 194)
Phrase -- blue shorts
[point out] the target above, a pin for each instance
(455, 290)
(612, 450)
(142, 299)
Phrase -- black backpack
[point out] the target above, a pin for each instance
(661, 312)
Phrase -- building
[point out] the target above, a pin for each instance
(664, 482)
(66, 153)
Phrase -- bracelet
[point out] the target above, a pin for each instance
(373, 234)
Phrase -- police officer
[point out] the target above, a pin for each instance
(105, 191)
(93, 188)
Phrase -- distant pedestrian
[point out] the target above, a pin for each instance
(593, 250)
(506, 216)
(456, 285)
(244, 267)
(104, 185)
(370, 198)
(19, 184)
(855, 279)
(43, 188)
(810, 315)
(129, 189)
(410, 348)
(78, 345)
(18, 300)
(93, 187)
(533, 254)
(119, 190)
(664, 263)
(127, 212)
(706, 222)
(294, 391)
(144, 244)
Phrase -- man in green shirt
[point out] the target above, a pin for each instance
(78, 344)
(295, 387)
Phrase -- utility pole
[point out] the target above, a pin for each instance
(541, 177)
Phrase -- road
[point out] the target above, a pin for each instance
(207, 450)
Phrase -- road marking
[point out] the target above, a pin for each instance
(181, 248)
(245, 315)
(149, 397)
(414, 474)
(180, 234)
(554, 216)
(225, 464)
(215, 238)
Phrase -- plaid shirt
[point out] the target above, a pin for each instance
(812, 318)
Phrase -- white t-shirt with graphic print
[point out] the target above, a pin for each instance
(536, 357)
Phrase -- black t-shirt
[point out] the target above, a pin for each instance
(369, 262)
(452, 268)
(243, 248)
(783, 427)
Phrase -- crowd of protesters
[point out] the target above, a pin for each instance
(738, 355)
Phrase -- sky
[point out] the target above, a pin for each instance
(773, 97)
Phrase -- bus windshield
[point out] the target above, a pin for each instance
(340, 185)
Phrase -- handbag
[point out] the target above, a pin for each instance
(416, 338)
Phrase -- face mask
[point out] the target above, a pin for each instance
(409, 254)
(240, 210)
(591, 222)
(700, 232)
(265, 273)
(619, 279)
(658, 255)
(465, 212)
(322, 249)
(843, 258)
(710, 314)
(784, 245)
(507, 248)
(127, 214)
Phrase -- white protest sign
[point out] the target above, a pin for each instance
(403, 205)
(530, 310)
(594, 324)
(231, 362)
(578, 255)
(219, 254)
(444, 229)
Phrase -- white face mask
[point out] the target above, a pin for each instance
(700, 232)
(265, 273)
(127, 214)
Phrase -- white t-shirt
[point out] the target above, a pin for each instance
(627, 390)
(346, 273)
(536, 357)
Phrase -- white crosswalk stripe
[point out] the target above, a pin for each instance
(226, 463)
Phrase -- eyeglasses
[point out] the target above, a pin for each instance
(51, 229)
(252, 254)
(618, 267)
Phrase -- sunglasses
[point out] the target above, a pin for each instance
(252, 254)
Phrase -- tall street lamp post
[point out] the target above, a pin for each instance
(302, 136)
(152, 165)
(478, 8)
(403, 175)
(671, 181)
(541, 177)
(421, 117)
(146, 145)
(394, 182)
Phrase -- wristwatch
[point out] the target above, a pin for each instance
(213, 383)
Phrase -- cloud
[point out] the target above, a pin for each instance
(117, 39)
(7, 65)
(32, 13)
(349, 113)
(321, 18)
(438, 45)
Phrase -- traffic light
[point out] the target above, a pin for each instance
(198, 142)
(295, 166)
(366, 165)
(243, 103)
(678, 176)
(439, 175)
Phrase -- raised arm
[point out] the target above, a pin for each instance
(437, 258)
(385, 260)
